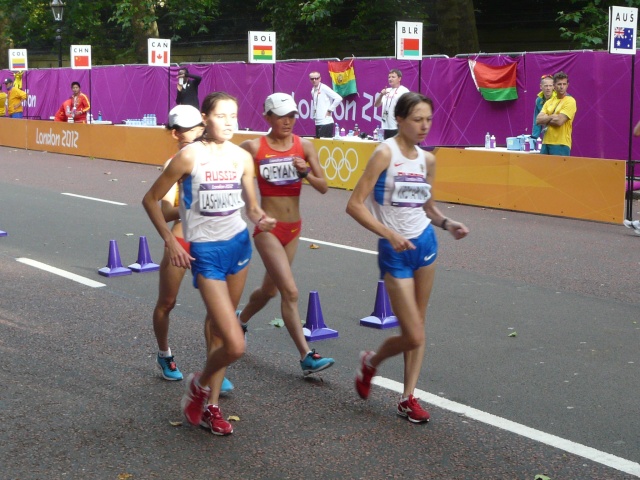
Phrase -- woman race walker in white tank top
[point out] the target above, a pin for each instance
(393, 199)
(217, 179)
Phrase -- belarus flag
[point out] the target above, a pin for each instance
(81, 60)
(495, 84)
(411, 47)
(159, 56)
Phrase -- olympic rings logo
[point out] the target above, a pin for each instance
(338, 163)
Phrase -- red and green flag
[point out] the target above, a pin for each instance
(343, 77)
(411, 47)
(495, 84)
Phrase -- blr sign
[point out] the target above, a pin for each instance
(409, 40)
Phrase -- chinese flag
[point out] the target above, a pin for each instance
(81, 60)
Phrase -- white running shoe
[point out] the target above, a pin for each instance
(635, 225)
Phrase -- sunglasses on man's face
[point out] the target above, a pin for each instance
(314, 78)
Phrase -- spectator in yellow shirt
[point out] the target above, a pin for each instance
(3, 103)
(16, 96)
(557, 116)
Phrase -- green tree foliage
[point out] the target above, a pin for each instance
(120, 28)
(587, 23)
(457, 32)
(338, 28)
(306, 28)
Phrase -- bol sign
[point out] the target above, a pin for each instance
(262, 47)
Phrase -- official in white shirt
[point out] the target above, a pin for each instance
(323, 103)
(388, 98)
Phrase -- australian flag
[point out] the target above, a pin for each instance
(624, 38)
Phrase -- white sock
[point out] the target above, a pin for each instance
(367, 360)
(164, 354)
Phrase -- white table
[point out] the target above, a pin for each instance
(501, 150)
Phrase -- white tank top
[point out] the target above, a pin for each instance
(211, 196)
(400, 193)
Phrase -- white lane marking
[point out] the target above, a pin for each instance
(63, 273)
(592, 454)
(93, 198)
(337, 245)
(589, 453)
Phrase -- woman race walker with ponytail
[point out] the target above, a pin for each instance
(185, 125)
(217, 181)
(393, 199)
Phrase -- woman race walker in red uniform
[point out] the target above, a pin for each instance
(393, 199)
(217, 179)
(282, 160)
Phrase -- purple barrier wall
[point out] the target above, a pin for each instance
(600, 82)
(601, 85)
(461, 116)
(129, 91)
(250, 84)
(371, 77)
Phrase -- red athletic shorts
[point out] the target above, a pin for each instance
(284, 231)
(186, 245)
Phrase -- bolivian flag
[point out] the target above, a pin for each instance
(263, 52)
(495, 84)
(17, 81)
(343, 77)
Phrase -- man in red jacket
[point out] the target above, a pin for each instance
(63, 113)
(81, 104)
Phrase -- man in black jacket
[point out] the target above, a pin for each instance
(188, 88)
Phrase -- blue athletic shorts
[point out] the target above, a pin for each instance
(216, 260)
(403, 264)
(561, 150)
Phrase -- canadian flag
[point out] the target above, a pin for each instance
(159, 56)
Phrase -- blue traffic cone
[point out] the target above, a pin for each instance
(144, 263)
(114, 266)
(382, 317)
(314, 329)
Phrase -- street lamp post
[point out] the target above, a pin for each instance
(57, 7)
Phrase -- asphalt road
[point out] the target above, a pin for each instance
(81, 397)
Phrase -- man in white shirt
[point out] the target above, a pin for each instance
(388, 97)
(323, 103)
